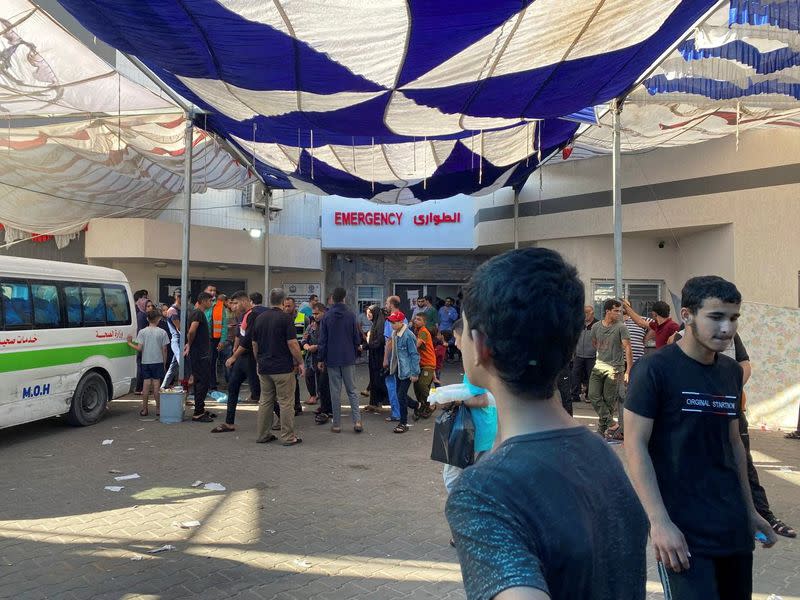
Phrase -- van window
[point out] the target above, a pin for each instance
(94, 307)
(117, 310)
(72, 296)
(16, 304)
(46, 305)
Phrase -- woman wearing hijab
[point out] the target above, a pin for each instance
(378, 394)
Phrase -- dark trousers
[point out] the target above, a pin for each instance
(718, 578)
(323, 392)
(214, 361)
(201, 371)
(242, 369)
(756, 489)
(563, 385)
(297, 405)
(581, 369)
(311, 382)
(405, 400)
(139, 378)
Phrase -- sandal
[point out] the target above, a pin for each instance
(321, 419)
(782, 528)
(312, 400)
(266, 440)
(390, 419)
(204, 418)
(336, 429)
(794, 435)
(143, 412)
(400, 428)
(222, 429)
(358, 427)
(294, 442)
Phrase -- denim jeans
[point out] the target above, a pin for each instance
(240, 371)
(337, 376)
(391, 388)
(405, 400)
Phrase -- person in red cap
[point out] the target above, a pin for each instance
(404, 365)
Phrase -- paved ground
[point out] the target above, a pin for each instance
(340, 516)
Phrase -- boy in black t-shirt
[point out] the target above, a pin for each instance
(686, 458)
(550, 512)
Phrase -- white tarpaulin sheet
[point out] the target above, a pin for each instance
(115, 149)
(44, 70)
(54, 180)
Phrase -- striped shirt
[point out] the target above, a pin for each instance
(637, 338)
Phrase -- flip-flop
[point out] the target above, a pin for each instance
(266, 440)
(143, 413)
(782, 528)
(221, 429)
(294, 443)
(358, 427)
(390, 419)
(204, 418)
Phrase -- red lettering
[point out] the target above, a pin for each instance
(345, 218)
(399, 217)
(361, 218)
(368, 218)
(337, 218)
(353, 218)
(388, 219)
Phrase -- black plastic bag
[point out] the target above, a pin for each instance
(454, 437)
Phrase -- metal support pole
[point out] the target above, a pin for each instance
(187, 223)
(516, 218)
(616, 109)
(266, 251)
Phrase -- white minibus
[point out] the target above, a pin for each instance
(63, 331)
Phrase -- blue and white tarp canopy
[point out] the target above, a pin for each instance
(379, 99)
(739, 70)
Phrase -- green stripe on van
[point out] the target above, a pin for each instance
(52, 357)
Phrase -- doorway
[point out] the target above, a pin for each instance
(409, 292)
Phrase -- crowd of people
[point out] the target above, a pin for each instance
(547, 510)
(276, 347)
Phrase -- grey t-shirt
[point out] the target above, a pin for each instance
(553, 511)
(609, 343)
(153, 340)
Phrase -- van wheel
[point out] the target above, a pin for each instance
(89, 401)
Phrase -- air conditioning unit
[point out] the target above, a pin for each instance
(258, 196)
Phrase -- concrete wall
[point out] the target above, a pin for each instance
(118, 239)
(736, 212)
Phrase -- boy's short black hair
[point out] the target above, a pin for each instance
(257, 297)
(339, 294)
(610, 304)
(238, 295)
(153, 316)
(661, 308)
(140, 294)
(203, 296)
(529, 305)
(698, 289)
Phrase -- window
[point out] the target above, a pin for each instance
(46, 305)
(72, 294)
(94, 307)
(117, 308)
(641, 295)
(367, 295)
(16, 304)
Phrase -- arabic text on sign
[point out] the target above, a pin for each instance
(356, 218)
